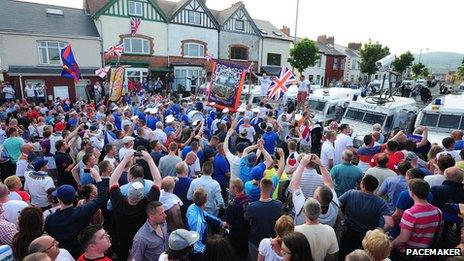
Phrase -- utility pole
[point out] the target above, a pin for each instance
(296, 25)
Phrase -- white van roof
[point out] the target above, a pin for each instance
(450, 103)
(334, 93)
(398, 103)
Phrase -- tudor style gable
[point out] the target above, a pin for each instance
(240, 22)
(195, 13)
(144, 9)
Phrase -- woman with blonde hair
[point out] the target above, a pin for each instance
(377, 245)
(432, 158)
(270, 248)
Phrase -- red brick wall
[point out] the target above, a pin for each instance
(50, 82)
(330, 73)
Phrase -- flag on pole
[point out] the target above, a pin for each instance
(70, 66)
(115, 50)
(134, 24)
(209, 57)
(250, 68)
(102, 71)
(279, 85)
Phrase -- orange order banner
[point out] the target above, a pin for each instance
(116, 83)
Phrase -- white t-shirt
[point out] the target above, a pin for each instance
(37, 186)
(342, 142)
(163, 257)
(21, 167)
(435, 180)
(29, 91)
(265, 249)
(160, 136)
(330, 217)
(250, 132)
(265, 83)
(303, 85)
(234, 162)
(321, 238)
(453, 153)
(327, 153)
(11, 210)
(53, 139)
(194, 168)
(112, 161)
(298, 199)
(123, 151)
(64, 255)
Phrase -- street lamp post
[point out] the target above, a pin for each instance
(296, 18)
(420, 54)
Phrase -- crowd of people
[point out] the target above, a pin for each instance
(157, 177)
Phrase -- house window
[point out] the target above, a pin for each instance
(194, 50)
(342, 64)
(239, 25)
(319, 61)
(49, 52)
(136, 46)
(335, 64)
(238, 53)
(318, 79)
(353, 64)
(194, 17)
(274, 59)
(135, 8)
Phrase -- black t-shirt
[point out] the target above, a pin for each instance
(139, 141)
(129, 218)
(263, 216)
(63, 161)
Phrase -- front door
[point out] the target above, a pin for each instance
(80, 89)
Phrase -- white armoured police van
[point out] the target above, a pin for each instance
(442, 116)
(329, 104)
(363, 113)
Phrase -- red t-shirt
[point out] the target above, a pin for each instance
(393, 160)
(24, 195)
(103, 258)
(423, 221)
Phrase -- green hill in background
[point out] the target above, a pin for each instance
(440, 62)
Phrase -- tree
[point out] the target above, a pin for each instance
(460, 71)
(371, 53)
(402, 62)
(303, 55)
(419, 69)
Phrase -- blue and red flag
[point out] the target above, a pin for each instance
(280, 85)
(70, 66)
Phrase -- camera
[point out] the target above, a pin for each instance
(87, 171)
(138, 153)
(385, 61)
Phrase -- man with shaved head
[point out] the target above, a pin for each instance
(49, 246)
(193, 164)
(457, 136)
(23, 161)
(171, 203)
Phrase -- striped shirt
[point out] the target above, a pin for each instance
(310, 180)
(423, 221)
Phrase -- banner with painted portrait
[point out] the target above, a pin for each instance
(116, 83)
(226, 84)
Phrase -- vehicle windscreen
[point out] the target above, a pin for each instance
(449, 121)
(366, 117)
(316, 105)
(429, 120)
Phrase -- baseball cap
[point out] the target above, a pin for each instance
(411, 156)
(257, 171)
(135, 192)
(59, 126)
(181, 238)
(65, 192)
(39, 163)
(251, 158)
(127, 139)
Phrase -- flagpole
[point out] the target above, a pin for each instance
(296, 24)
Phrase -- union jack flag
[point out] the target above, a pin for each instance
(279, 85)
(134, 24)
(115, 50)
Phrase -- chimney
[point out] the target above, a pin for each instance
(355, 46)
(323, 39)
(285, 30)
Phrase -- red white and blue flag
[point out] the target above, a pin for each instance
(134, 24)
(70, 66)
(250, 68)
(279, 85)
(115, 50)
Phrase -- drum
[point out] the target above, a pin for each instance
(195, 115)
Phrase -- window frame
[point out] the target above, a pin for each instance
(335, 64)
(60, 46)
(276, 54)
(131, 51)
(186, 51)
(194, 13)
(242, 22)
(245, 50)
(135, 8)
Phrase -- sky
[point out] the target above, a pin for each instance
(402, 25)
